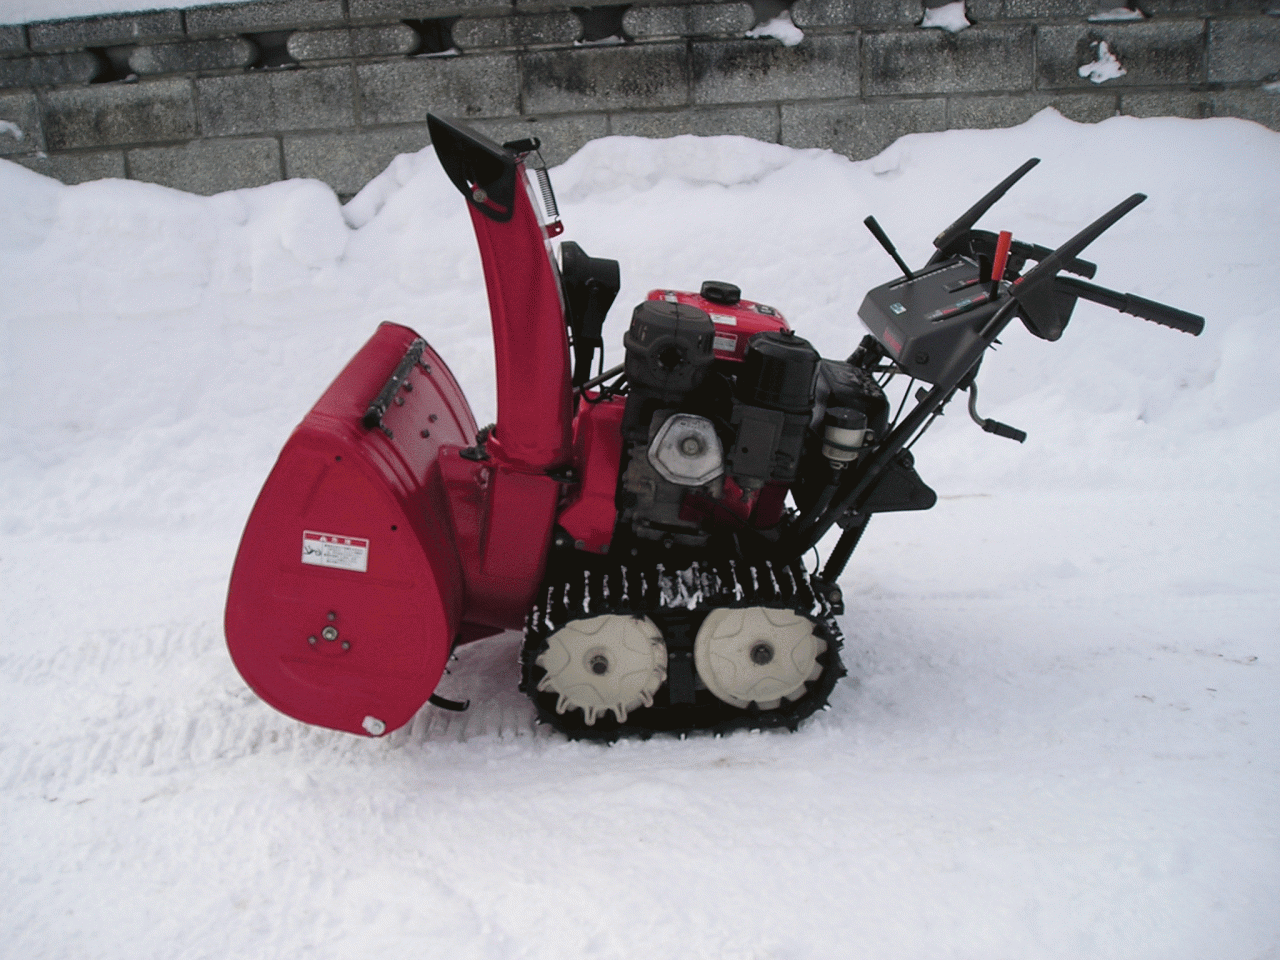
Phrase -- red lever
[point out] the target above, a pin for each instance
(1002, 254)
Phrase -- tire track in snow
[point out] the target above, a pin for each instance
(166, 699)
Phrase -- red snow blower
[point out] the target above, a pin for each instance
(645, 526)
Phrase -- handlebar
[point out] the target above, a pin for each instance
(1134, 306)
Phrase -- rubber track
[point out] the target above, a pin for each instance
(579, 586)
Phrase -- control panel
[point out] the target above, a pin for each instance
(927, 319)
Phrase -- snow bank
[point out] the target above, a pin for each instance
(1059, 734)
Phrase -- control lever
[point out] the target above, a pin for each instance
(949, 236)
(883, 237)
(992, 426)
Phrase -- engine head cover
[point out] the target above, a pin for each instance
(669, 348)
(686, 451)
(778, 373)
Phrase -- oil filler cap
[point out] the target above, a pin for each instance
(717, 291)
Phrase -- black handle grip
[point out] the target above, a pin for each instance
(1004, 430)
(1135, 306)
(1162, 314)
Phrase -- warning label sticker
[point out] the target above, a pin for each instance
(335, 550)
(725, 342)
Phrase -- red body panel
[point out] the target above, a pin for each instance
(501, 520)
(530, 342)
(503, 507)
(735, 324)
(354, 498)
(597, 452)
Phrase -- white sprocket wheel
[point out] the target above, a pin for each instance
(759, 655)
(605, 663)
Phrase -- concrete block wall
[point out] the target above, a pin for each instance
(214, 98)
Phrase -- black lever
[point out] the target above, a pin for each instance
(1048, 268)
(883, 237)
(1043, 311)
(971, 216)
(1033, 251)
(992, 426)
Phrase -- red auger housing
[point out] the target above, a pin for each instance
(644, 527)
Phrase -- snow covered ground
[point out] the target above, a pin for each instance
(1060, 736)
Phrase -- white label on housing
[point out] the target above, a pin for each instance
(335, 550)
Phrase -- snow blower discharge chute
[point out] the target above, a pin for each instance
(645, 526)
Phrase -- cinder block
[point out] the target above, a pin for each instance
(405, 91)
(23, 112)
(981, 59)
(1153, 53)
(605, 78)
(386, 40)
(428, 9)
(262, 16)
(1159, 9)
(347, 161)
(985, 113)
(1242, 50)
(859, 130)
(540, 6)
(561, 137)
(751, 71)
(193, 56)
(77, 167)
(1049, 9)
(13, 39)
(851, 14)
(1256, 105)
(688, 20)
(267, 102)
(208, 166)
(153, 111)
(473, 33)
(49, 70)
(108, 31)
(1194, 106)
(984, 11)
(757, 122)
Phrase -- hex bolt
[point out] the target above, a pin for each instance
(691, 446)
